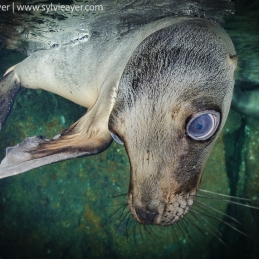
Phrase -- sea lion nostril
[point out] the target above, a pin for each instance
(146, 216)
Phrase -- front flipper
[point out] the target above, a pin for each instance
(9, 88)
(81, 139)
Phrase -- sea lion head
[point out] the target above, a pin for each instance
(172, 102)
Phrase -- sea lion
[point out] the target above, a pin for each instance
(163, 90)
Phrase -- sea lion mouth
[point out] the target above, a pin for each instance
(179, 206)
(162, 213)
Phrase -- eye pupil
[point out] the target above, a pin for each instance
(199, 126)
(203, 125)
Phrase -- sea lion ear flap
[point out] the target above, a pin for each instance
(233, 60)
(85, 137)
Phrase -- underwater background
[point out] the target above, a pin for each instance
(77, 208)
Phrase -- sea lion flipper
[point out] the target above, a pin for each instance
(38, 151)
(9, 88)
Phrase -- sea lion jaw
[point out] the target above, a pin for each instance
(159, 199)
(162, 213)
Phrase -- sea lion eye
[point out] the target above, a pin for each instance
(117, 139)
(203, 125)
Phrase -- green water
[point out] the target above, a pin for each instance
(72, 209)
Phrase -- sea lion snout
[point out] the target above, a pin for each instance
(162, 212)
(146, 216)
(162, 190)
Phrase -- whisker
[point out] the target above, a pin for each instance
(145, 230)
(228, 201)
(128, 223)
(183, 223)
(183, 242)
(184, 232)
(195, 225)
(176, 237)
(158, 231)
(121, 206)
(243, 205)
(220, 220)
(150, 232)
(117, 195)
(224, 214)
(123, 211)
(118, 204)
(134, 232)
(192, 222)
(213, 233)
(140, 228)
(123, 215)
(224, 195)
(198, 212)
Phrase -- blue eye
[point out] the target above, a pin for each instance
(116, 138)
(203, 125)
